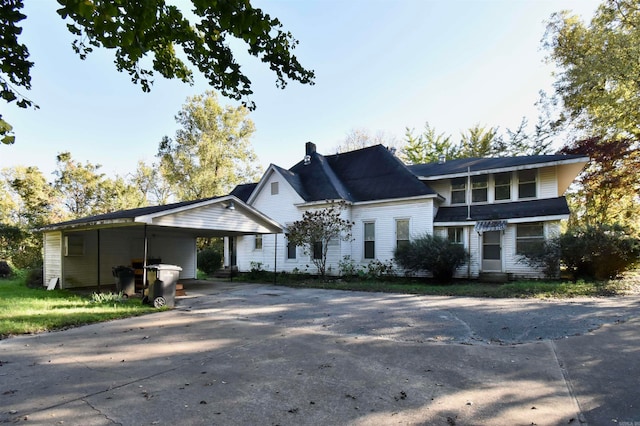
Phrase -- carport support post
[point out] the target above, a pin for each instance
(144, 260)
(98, 232)
(275, 259)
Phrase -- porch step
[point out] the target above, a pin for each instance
(225, 272)
(494, 277)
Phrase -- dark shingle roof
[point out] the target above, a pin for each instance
(243, 191)
(367, 174)
(453, 167)
(519, 209)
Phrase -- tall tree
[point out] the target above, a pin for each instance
(478, 141)
(521, 142)
(150, 184)
(598, 68)
(153, 29)
(608, 188)
(35, 201)
(79, 185)
(427, 147)
(599, 97)
(212, 152)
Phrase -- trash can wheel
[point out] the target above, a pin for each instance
(159, 302)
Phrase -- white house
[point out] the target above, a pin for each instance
(495, 207)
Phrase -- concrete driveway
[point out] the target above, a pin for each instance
(265, 355)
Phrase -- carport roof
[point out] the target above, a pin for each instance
(150, 214)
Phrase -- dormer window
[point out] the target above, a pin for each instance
(458, 190)
(527, 183)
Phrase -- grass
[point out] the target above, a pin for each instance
(25, 310)
(515, 289)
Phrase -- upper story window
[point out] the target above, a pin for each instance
(527, 183)
(369, 240)
(258, 242)
(479, 189)
(274, 188)
(459, 190)
(402, 232)
(502, 182)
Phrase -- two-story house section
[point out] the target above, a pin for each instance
(495, 207)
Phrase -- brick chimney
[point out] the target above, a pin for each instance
(309, 148)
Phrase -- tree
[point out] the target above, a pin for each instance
(150, 184)
(478, 142)
(598, 65)
(317, 229)
(362, 138)
(608, 188)
(427, 147)
(152, 29)
(599, 99)
(520, 142)
(34, 200)
(211, 153)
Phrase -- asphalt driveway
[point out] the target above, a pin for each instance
(260, 354)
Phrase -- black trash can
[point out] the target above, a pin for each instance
(125, 280)
(162, 280)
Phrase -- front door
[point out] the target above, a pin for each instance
(492, 251)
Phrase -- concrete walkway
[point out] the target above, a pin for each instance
(243, 354)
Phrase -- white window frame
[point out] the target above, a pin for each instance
(365, 240)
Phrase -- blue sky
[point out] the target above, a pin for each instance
(381, 66)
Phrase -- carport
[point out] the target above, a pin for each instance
(82, 252)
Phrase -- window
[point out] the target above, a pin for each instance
(402, 233)
(369, 240)
(74, 245)
(291, 250)
(458, 191)
(502, 186)
(317, 250)
(455, 235)
(529, 237)
(258, 242)
(479, 189)
(527, 184)
(274, 188)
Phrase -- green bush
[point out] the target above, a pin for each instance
(546, 257)
(599, 252)
(209, 260)
(433, 254)
(5, 269)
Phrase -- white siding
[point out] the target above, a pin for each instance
(384, 215)
(212, 217)
(52, 256)
(513, 266)
(281, 208)
(548, 187)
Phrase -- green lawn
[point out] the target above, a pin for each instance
(514, 289)
(25, 310)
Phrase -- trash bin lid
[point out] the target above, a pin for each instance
(164, 267)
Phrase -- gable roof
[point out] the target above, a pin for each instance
(366, 174)
(243, 191)
(460, 167)
(225, 219)
(516, 210)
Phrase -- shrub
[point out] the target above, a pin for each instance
(599, 252)
(35, 277)
(545, 257)
(209, 260)
(377, 269)
(434, 254)
(5, 269)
